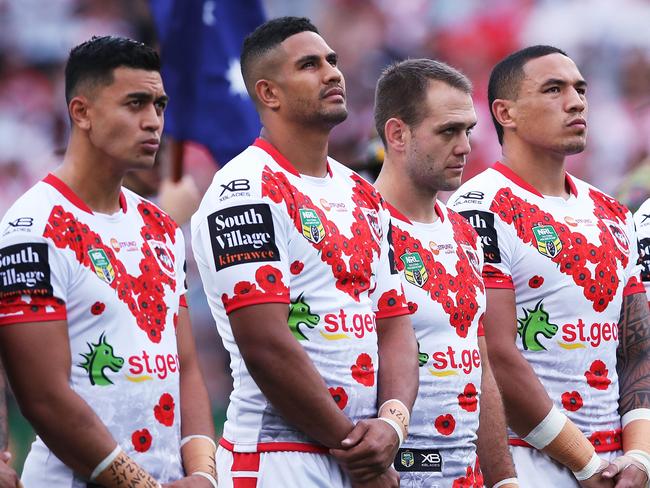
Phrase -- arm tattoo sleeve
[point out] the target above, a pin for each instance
(633, 354)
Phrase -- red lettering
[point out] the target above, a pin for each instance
(439, 360)
(171, 363)
(145, 356)
(342, 316)
(161, 367)
(332, 324)
(581, 329)
(476, 357)
(136, 366)
(452, 360)
(369, 322)
(569, 333)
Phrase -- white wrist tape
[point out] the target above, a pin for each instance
(636, 414)
(547, 430)
(207, 476)
(589, 470)
(642, 457)
(105, 463)
(188, 438)
(507, 481)
(405, 410)
(397, 428)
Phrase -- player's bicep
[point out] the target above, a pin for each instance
(500, 321)
(257, 328)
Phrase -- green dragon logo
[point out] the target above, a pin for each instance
(101, 356)
(423, 357)
(299, 313)
(534, 323)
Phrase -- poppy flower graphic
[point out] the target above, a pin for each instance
(445, 424)
(468, 481)
(536, 281)
(141, 440)
(296, 267)
(390, 301)
(413, 307)
(571, 401)
(340, 396)
(245, 288)
(605, 438)
(164, 411)
(597, 375)
(468, 400)
(270, 279)
(363, 371)
(97, 308)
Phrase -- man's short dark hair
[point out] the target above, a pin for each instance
(402, 89)
(266, 37)
(506, 76)
(94, 61)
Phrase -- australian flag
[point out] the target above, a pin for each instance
(200, 45)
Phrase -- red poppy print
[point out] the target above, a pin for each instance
(597, 375)
(571, 401)
(413, 307)
(536, 281)
(144, 295)
(468, 399)
(445, 424)
(296, 267)
(364, 371)
(141, 440)
(473, 478)
(603, 438)
(97, 308)
(164, 411)
(270, 280)
(390, 302)
(599, 286)
(340, 396)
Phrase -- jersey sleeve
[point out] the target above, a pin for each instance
(634, 269)
(181, 267)
(241, 249)
(494, 238)
(388, 296)
(34, 273)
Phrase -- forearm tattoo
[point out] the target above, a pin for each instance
(633, 354)
(125, 473)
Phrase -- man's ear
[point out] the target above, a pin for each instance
(505, 112)
(397, 134)
(78, 110)
(267, 93)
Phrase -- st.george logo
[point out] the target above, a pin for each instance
(100, 357)
(312, 227)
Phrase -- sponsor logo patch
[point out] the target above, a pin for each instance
(242, 234)
(235, 188)
(414, 269)
(548, 242)
(23, 224)
(25, 269)
(312, 227)
(644, 258)
(470, 196)
(429, 460)
(483, 223)
(102, 265)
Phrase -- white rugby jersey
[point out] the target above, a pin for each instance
(265, 233)
(642, 222)
(117, 280)
(440, 265)
(570, 262)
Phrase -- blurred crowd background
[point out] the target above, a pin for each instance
(608, 40)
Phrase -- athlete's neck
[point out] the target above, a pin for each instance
(305, 150)
(543, 170)
(92, 179)
(411, 200)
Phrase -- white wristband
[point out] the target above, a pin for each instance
(188, 438)
(105, 463)
(636, 414)
(589, 470)
(547, 430)
(512, 481)
(207, 476)
(397, 428)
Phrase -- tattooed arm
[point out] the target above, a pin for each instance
(633, 355)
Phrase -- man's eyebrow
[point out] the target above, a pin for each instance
(307, 58)
(146, 97)
(562, 82)
(456, 125)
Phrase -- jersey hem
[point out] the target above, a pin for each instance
(41, 317)
(393, 313)
(273, 447)
(256, 301)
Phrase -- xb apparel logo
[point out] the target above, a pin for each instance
(235, 185)
(102, 265)
(548, 242)
(312, 227)
(407, 459)
(535, 322)
(414, 270)
(100, 357)
(300, 313)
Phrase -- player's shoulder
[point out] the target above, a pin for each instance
(603, 202)
(457, 221)
(29, 214)
(150, 212)
(477, 192)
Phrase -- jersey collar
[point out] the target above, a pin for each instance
(516, 179)
(72, 197)
(280, 159)
(400, 216)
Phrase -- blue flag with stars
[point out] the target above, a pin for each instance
(200, 44)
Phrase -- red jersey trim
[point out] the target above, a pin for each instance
(34, 317)
(481, 329)
(393, 313)
(517, 180)
(633, 287)
(255, 301)
(280, 159)
(278, 446)
(182, 302)
(498, 283)
(616, 445)
(400, 216)
(72, 197)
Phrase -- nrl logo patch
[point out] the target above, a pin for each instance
(312, 227)
(407, 459)
(548, 242)
(414, 270)
(102, 265)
